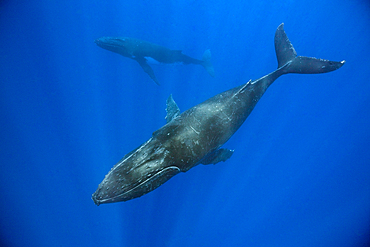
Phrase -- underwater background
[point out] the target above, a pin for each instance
(71, 110)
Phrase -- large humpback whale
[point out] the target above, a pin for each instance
(144, 52)
(195, 136)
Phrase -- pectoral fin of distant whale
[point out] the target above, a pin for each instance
(172, 109)
(143, 63)
(207, 64)
(216, 156)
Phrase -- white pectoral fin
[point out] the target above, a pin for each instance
(151, 60)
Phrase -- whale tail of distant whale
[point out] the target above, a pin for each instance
(291, 63)
(207, 64)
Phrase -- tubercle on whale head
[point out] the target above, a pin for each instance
(113, 41)
(142, 171)
(140, 189)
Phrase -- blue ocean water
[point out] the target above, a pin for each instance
(70, 110)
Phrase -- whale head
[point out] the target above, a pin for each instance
(138, 173)
(118, 45)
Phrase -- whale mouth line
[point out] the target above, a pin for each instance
(149, 182)
(109, 43)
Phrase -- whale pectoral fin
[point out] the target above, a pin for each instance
(143, 63)
(172, 109)
(216, 156)
(207, 64)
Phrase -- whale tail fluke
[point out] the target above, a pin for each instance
(207, 64)
(289, 62)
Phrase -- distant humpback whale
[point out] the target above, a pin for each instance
(195, 136)
(144, 52)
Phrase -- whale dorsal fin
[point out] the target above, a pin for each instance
(172, 109)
